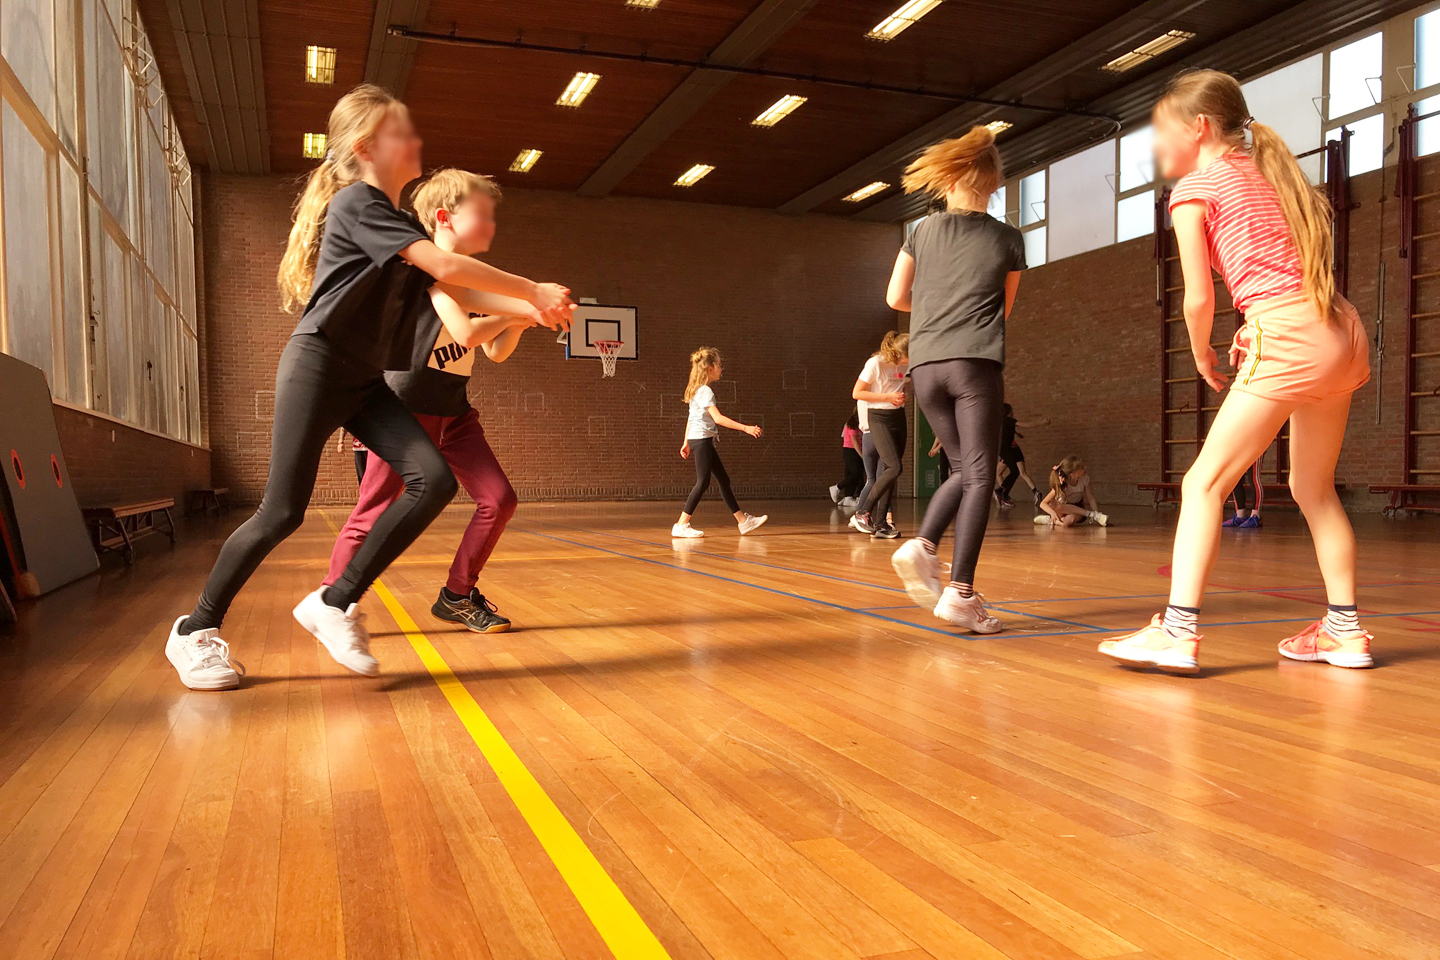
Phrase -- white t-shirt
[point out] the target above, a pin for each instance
(880, 377)
(700, 425)
(1074, 493)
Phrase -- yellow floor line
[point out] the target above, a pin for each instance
(615, 919)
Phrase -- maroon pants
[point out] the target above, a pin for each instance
(462, 442)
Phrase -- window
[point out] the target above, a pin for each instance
(1137, 159)
(1035, 247)
(1287, 100)
(1427, 132)
(1367, 143)
(1354, 77)
(1080, 213)
(996, 206)
(1032, 199)
(1135, 216)
(111, 322)
(1427, 50)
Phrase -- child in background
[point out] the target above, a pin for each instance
(1070, 501)
(1012, 460)
(881, 385)
(702, 428)
(1249, 490)
(846, 492)
(1244, 207)
(362, 268)
(957, 274)
(937, 449)
(458, 210)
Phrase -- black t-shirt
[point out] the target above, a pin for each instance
(438, 371)
(1007, 433)
(958, 298)
(364, 299)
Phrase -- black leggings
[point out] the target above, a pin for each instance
(854, 479)
(1012, 459)
(870, 460)
(318, 391)
(964, 401)
(707, 465)
(889, 430)
(1256, 492)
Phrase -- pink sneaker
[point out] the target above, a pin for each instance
(1154, 646)
(1316, 642)
(966, 612)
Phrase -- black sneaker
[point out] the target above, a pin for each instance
(474, 611)
(887, 532)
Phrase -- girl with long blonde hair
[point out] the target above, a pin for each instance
(702, 429)
(880, 393)
(1244, 208)
(957, 275)
(360, 266)
(1070, 499)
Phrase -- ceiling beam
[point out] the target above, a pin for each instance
(390, 58)
(219, 45)
(1289, 35)
(765, 24)
(1139, 24)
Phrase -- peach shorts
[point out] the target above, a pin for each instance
(1290, 353)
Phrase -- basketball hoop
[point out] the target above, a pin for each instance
(609, 351)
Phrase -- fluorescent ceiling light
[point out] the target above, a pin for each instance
(578, 89)
(320, 65)
(315, 145)
(867, 191)
(998, 127)
(1168, 40)
(694, 175)
(778, 111)
(643, 4)
(525, 160)
(909, 13)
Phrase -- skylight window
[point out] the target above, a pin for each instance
(778, 111)
(315, 146)
(320, 65)
(1168, 40)
(525, 160)
(866, 192)
(578, 89)
(902, 19)
(694, 175)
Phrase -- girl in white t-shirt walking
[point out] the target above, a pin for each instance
(881, 390)
(701, 430)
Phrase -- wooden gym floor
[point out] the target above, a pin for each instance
(733, 748)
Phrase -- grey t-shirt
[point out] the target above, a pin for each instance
(958, 298)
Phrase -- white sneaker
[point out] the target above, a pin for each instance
(849, 503)
(1045, 520)
(919, 571)
(686, 531)
(1098, 517)
(967, 612)
(341, 631)
(202, 659)
(835, 492)
(752, 523)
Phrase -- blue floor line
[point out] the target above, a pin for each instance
(858, 583)
(796, 596)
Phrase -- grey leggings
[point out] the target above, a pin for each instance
(870, 457)
(889, 430)
(964, 401)
(317, 391)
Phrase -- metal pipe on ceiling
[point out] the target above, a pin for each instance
(453, 39)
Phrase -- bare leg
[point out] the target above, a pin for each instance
(1316, 432)
(1243, 428)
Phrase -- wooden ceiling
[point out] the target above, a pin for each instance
(645, 123)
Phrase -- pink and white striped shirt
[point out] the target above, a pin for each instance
(1250, 243)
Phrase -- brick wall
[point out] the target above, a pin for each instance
(110, 462)
(794, 304)
(1084, 343)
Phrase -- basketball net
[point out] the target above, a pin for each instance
(609, 351)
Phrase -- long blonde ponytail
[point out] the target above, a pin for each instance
(971, 163)
(354, 118)
(700, 363)
(1218, 97)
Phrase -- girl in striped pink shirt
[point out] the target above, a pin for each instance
(1244, 208)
